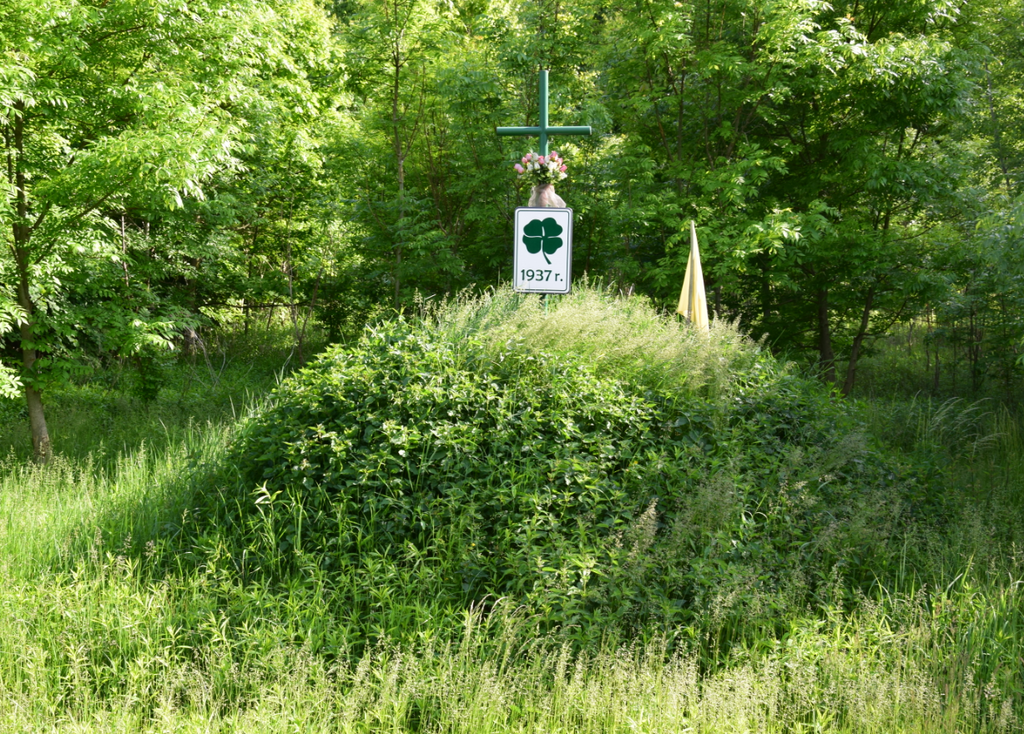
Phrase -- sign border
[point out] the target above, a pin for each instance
(516, 246)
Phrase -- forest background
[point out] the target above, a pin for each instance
(852, 168)
(473, 513)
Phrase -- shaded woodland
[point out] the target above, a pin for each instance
(854, 170)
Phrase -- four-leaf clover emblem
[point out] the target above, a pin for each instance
(542, 235)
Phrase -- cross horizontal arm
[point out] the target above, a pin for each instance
(569, 130)
(518, 130)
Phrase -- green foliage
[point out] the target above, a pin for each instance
(109, 108)
(773, 558)
(847, 168)
(822, 580)
(467, 465)
(10, 316)
(392, 444)
(810, 142)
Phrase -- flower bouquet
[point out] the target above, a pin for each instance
(543, 171)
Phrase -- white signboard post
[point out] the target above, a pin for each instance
(542, 260)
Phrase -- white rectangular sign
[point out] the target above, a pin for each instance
(542, 260)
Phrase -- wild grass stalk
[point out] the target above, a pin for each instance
(52, 513)
(625, 338)
(875, 671)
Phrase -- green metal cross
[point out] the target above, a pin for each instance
(543, 130)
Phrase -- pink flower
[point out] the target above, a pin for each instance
(562, 169)
(520, 169)
(541, 160)
(526, 159)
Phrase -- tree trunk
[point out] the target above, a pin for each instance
(974, 351)
(997, 137)
(22, 233)
(400, 161)
(952, 347)
(246, 303)
(826, 357)
(42, 450)
(851, 368)
(928, 337)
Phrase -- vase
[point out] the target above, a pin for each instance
(543, 195)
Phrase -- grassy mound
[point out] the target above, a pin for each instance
(603, 465)
(300, 572)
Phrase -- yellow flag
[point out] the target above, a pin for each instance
(693, 304)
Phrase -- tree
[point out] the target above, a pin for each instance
(106, 101)
(392, 45)
(803, 136)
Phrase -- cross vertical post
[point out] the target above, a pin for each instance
(542, 104)
(544, 130)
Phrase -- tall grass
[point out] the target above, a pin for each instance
(623, 338)
(213, 381)
(105, 651)
(110, 622)
(972, 455)
(52, 513)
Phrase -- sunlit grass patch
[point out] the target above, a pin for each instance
(52, 513)
(890, 667)
(625, 338)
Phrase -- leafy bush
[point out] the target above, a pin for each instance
(457, 459)
(407, 436)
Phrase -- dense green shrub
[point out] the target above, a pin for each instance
(509, 473)
(450, 460)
